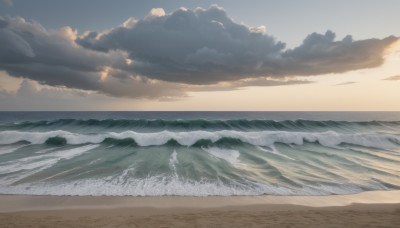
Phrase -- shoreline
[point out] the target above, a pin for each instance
(17, 203)
(378, 208)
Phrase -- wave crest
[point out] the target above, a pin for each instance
(193, 138)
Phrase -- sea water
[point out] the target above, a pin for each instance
(198, 153)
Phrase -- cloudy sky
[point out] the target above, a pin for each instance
(199, 55)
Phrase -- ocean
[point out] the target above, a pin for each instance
(198, 153)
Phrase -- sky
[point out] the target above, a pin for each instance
(206, 55)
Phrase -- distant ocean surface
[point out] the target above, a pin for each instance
(198, 153)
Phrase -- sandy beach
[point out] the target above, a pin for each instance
(368, 209)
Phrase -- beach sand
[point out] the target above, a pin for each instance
(369, 209)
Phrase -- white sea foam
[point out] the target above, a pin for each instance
(173, 161)
(123, 177)
(46, 150)
(228, 155)
(273, 150)
(37, 163)
(162, 186)
(260, 138)
(9, 148)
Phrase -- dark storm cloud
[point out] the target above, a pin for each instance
(200, 46)
(53, 58)
(320, 54)
(393, 78)
(159, 55)
(207, 46)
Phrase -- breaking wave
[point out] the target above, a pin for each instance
(198, 157)
(259, 138)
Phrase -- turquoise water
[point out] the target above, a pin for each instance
(198, 153)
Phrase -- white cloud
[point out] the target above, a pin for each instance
(156, 12)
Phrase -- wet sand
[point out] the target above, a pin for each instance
(369, 209)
